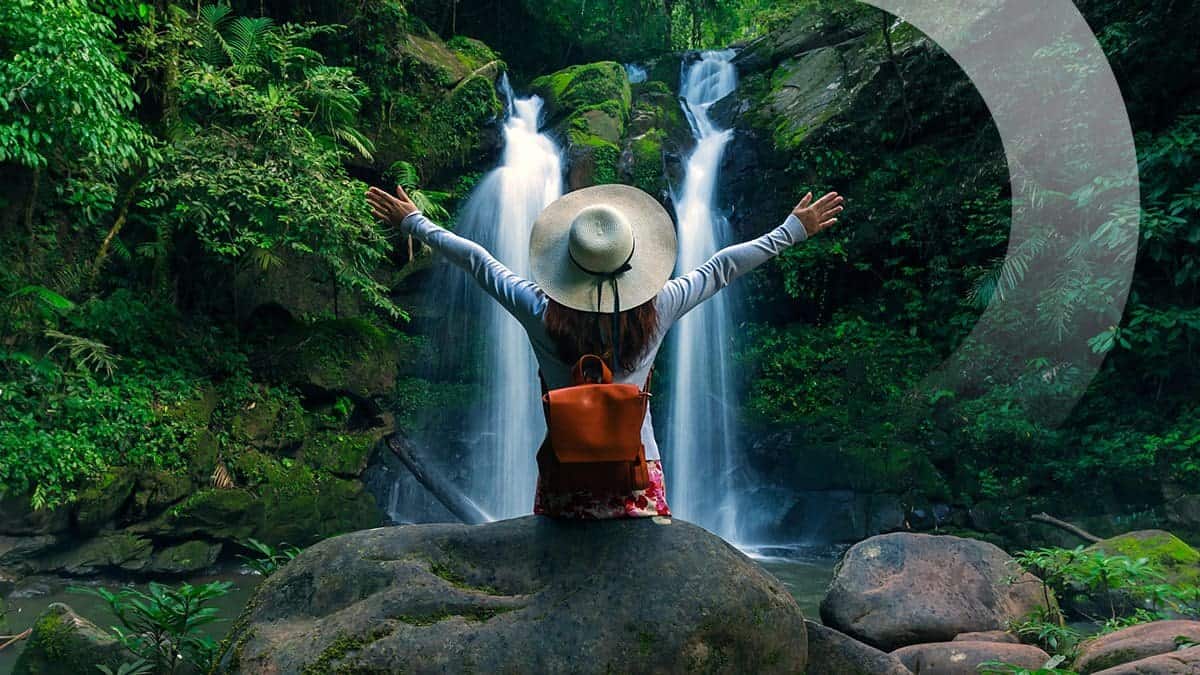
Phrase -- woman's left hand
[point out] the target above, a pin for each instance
(389, 208)
(818, 215)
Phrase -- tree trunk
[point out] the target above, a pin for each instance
(438, 485)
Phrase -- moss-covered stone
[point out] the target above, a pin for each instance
(1179, 562)
(270, 419)
(122, 550)
(341, 453)
(155, 491)
(472, 53)
(306, 507)
(101, 501)
(584, 85)
(645, 168)
(186, 558)
(225, 515)
(64, 642)
(341, 355)
(589, 105)
(593, 160)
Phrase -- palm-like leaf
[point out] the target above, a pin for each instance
(247, 40)
(213, 49)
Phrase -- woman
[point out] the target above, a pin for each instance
(601, 260)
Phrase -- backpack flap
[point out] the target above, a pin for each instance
(596, 422)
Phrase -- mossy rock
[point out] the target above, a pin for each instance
(202, 453)
(64, 642)
(270, 420)
(101, 501)
(312, 507)
(439, 107)
(225, 515)
(341, 355)
(472, 53)
(584, 85)
(593, 160)
(18, 517)
(341, 453)
(1179, 562)
(186, 558)
(122, 550)
(644, 168)
(297, 503)
(155, 491)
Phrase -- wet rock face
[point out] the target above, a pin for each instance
(900, 589)
(523, 595)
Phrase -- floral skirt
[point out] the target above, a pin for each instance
(595, 506)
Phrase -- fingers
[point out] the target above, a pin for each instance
(831, 212)
(825, 224)
(805, 202)
(827, 200)
(402, 194)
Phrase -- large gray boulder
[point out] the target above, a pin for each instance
(962, 657)
(1134, 643)
(900, 589)
(832, 652)
(524, 595)
(1181, 662)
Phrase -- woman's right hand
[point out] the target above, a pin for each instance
(818, 215)
(388, 208)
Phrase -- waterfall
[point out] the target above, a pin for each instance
(636, 73)
(700, 437)
(479, 341)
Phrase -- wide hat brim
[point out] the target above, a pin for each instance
(651, 265)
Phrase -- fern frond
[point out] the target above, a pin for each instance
(356, 140)
(247, 39)
(404, 174)
(213, 49)
(85, 353)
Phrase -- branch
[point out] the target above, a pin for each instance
(1062, 524)
(15, 638)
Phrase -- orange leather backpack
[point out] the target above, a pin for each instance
(594, 433)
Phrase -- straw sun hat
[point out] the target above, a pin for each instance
(594, 246)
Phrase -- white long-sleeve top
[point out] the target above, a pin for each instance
(527, 302)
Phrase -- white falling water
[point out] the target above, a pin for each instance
(508, 426)
(700, 441)
(636, 73)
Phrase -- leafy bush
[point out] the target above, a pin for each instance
(162, 626)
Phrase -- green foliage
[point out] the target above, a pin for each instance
(430, 202)
(163, 625)
(259, 168)
(64, 99)
(269, 558)
(1131, 589)
(1051, 667)
(136, 667)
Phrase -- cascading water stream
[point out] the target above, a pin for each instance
(506, 427)
(700, 436)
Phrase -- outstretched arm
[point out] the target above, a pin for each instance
(518, 296)
(682, 294)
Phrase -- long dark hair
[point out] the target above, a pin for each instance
(576, 333)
